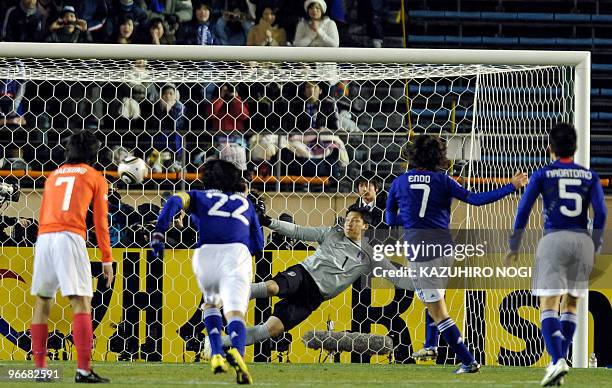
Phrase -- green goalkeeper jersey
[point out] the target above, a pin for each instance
(338, 261)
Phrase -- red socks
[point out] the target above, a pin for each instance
(82, 334)
(39, 334)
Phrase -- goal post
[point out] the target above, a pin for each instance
(481, 101)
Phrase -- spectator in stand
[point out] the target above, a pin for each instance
(291, 14)
(68, 29)
(125, 31)
(23, 23)
(232, 28)
(311, 111)
(337, 11)
(49, 11)
(198, 31)
(94, 12)
(267, 32)
(5, 5)
(229, 112)
(169, 10)
(372, 12)
(126, 9)
(11, 95)
(168, 119)
(156, 33)
(317, 30)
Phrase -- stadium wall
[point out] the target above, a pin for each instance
(157, 311)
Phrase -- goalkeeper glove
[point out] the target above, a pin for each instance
(260, 209)
(157, 244)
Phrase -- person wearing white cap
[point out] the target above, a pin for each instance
(317, 30)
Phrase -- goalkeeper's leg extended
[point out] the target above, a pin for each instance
(299, 295)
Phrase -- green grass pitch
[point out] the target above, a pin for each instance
(315, 375)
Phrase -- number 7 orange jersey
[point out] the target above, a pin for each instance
(69, 191)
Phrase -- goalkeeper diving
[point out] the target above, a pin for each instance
(342, 257)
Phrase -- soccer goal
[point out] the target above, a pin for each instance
(307, 123)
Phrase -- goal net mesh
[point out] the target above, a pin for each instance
(304, 133)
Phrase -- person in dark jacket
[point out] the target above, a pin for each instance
(199, 30)
(68, 28)
(369, 188)
(123, 9)
(23, 23)
(94, 12)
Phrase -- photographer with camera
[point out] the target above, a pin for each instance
(68, 28)
(232, 28)
(22, 231)
(141, 224)
(173, 11)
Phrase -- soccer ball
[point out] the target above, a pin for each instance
(132, 170)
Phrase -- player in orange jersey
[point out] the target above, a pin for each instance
(60, 259)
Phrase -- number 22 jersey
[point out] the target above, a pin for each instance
(223, 218)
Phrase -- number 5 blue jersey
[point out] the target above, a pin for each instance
(220, 218)
(567, 189)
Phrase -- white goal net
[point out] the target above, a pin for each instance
(305, 132)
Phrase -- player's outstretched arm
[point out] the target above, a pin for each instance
(302, 233)
(288, 229)
(478, 199)
(171, 208)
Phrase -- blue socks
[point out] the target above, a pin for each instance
(214, 324)
(551, 331)
(452, 336)
(236, 330)
(431, 332)
(568, 327)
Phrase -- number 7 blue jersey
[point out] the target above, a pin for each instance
(567, 189)
(423, 199)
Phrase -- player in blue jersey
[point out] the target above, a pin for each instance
(229, 234)
(566, 252)
(420, 201)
